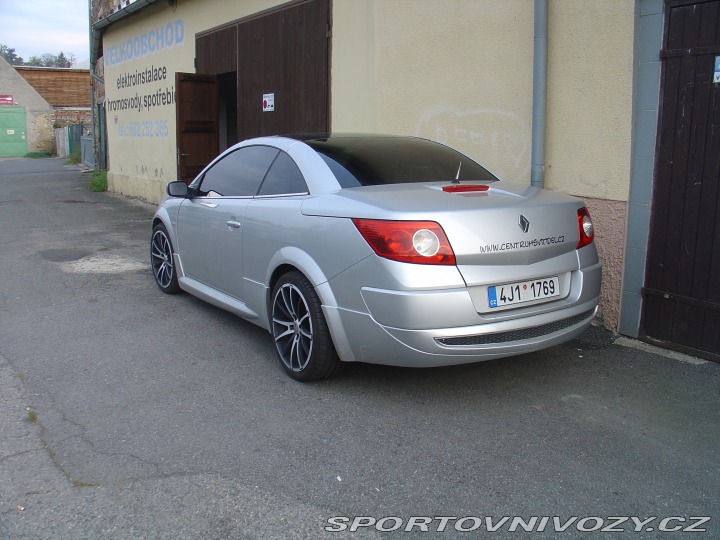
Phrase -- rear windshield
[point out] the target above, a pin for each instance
(371, 161)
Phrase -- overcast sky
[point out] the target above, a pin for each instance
(36, 27)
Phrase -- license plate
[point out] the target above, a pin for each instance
(523, 291)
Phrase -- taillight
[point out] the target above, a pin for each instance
(419, 242)
(586, 233)
(465, 188)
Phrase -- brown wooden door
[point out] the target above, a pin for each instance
(197, 123)
(283, 52)
(286, 54)
(681, 297)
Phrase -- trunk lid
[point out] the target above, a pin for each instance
(504, 226)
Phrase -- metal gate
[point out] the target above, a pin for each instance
(681, 297)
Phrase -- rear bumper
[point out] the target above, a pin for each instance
(437, 328)
(377, 344)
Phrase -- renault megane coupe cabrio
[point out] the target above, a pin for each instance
(381, 249)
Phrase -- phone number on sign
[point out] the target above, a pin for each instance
(158, 128)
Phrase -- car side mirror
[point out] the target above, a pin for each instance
(178, 189)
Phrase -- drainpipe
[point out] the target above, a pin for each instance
(539, 106)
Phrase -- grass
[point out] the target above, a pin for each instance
(37, 155)
(74, 158)
(98, 180)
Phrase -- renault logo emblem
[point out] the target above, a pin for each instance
(524, 223)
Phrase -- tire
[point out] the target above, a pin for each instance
(301, 334)
(162, 261)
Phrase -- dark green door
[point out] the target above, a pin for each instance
(13, 135)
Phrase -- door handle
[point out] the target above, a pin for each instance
(233, 224)
(179, 156)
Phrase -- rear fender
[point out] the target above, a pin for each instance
(258, 294)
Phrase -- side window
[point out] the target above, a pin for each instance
(238, 174)
(283, 178)
(344, 177)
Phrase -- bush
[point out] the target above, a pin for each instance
(36, 155)
(98, 180)
(74, 158)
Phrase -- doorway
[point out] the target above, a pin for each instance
(227, 109)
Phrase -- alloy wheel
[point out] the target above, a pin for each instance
(292, 327)
(162, 259)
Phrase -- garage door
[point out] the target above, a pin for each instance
(280, 64)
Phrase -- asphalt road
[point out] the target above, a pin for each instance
(126, 413)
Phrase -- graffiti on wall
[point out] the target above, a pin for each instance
(497, 139)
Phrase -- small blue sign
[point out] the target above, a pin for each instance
(492, 297)
(716, 76)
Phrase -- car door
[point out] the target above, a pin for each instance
(274, 220)
(210, 225)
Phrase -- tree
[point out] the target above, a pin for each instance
(51, 60)
(9, 55)
(48, 60)
(64, 61)
(61, 61)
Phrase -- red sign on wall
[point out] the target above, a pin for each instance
(6, 99)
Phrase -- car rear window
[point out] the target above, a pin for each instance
(372, 160)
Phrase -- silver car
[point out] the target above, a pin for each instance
(380, 249)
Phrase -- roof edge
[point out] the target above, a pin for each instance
(51, 68)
